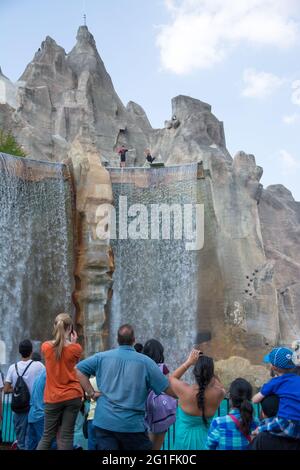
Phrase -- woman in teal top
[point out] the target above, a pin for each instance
(197, 403)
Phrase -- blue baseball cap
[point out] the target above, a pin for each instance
(281, 358)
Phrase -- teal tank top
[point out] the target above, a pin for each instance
(190, 432)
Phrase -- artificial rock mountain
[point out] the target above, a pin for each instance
(65, 106)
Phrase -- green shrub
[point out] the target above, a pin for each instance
(8, 144)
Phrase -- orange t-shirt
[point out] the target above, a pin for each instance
(61, 379)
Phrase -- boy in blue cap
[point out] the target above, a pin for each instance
(286, 385)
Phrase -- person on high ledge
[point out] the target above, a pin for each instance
(149, 157)
(122, 152)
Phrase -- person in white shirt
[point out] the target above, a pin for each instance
(30, 369)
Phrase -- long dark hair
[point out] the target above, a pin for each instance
(155, 350)
(204, 371)
(240, 393)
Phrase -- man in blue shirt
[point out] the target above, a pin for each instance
(124, 378)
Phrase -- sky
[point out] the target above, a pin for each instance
(242, 57)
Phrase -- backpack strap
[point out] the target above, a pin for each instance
(16, 367)
(25, 370)
(238, 425)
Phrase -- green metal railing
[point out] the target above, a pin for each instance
(223, 410)
(8, 432)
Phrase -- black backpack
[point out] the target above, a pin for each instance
(20, 402)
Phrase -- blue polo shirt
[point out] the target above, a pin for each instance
(124, 378)
(287, 388)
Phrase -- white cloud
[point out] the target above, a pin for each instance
(296, 92)
(289, 163)
(260, 84)
(201, 33)
(291, 118)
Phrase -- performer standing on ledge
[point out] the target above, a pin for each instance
(149, 157)
(122, 152)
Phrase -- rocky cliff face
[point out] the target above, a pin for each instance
(249, 270)
(280, 224)
(94, 260)
(59, 94)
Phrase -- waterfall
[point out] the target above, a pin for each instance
(36, 249)
(155, 281)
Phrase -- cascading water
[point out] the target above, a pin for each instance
(155, 281)
(36, 249)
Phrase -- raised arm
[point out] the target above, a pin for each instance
(181, 388)
(191, 361)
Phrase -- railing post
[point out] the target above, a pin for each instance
(8, 433)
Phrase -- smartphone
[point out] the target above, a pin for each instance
(202, 337)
